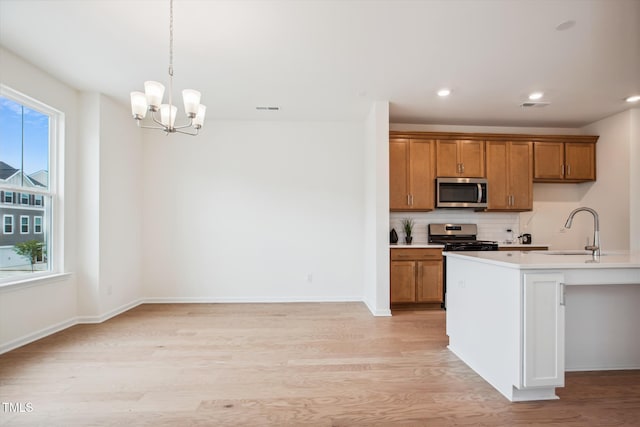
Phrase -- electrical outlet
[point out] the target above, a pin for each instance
(109, 289)
(309, 278)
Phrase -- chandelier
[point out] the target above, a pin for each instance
(164, 115)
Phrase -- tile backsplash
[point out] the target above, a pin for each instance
(491, 225)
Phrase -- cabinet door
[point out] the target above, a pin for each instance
(497, 175)
(548, 160)
(580, 161)
(429, 282)
(403, 281)
(521, 175)
(471, 158)
(447, 158)
(543, 330)
(398, 174)
(422, 174)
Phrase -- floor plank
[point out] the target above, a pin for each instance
(312, 364)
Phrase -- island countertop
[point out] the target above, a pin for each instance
(543, 260)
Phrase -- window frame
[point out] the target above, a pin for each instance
(53, 218)
(4, 224)
(23, 224)
(36, 225)
(10, 196)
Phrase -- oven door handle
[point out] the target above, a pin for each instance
(479, 192)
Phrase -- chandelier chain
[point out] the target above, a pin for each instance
(171, 37)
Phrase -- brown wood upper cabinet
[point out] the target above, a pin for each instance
(564, 161)
(509, 175)
(460, 158)
(411, 174)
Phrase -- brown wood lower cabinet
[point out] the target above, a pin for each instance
(416, 277)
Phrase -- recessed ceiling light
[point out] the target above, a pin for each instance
(633, 98)
(535, 96)
(565, 25)
(444, 92)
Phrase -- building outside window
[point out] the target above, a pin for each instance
(29, 132)
(37, 224)
(7, 221)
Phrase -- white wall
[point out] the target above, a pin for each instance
(88, 224)
(634, 179)
(110, 207)
(376, 219)
(120, 204)
(255, 211)
(29, 312)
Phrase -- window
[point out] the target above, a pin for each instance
(37, 224)
(29, 135)
(7, 221)
(24, 224)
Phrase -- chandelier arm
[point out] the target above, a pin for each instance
(187, 133)
(153, 116)
(188, 125)
(140, 125)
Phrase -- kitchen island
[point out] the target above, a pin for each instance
(521, 319)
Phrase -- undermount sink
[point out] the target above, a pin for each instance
(571, 252)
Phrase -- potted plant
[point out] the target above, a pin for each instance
(407, 225)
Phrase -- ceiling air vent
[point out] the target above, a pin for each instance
(533, 104)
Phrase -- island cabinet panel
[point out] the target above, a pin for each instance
(564, 161)
(510, 175)
(411, 174)
(460, 158)
(416, 276)
(543, 330)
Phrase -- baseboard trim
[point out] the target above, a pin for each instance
(106, 316)
(27, 339)
(376, 312)
(227, 300)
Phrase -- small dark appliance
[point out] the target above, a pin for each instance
(393, 237)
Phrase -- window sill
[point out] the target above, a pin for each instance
(33, 281)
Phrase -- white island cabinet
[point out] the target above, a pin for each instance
(521, 319)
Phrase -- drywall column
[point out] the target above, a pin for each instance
(376, 241)
(634, 180)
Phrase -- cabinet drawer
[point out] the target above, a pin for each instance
(417, 254)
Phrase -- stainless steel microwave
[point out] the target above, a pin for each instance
(461, 193)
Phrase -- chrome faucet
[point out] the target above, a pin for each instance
(595, 247)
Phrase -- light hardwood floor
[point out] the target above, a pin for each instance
(319, 364)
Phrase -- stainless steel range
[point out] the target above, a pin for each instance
(459, 237)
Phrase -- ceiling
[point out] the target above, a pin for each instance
(329, 60)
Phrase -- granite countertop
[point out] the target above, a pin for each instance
(554, 259)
